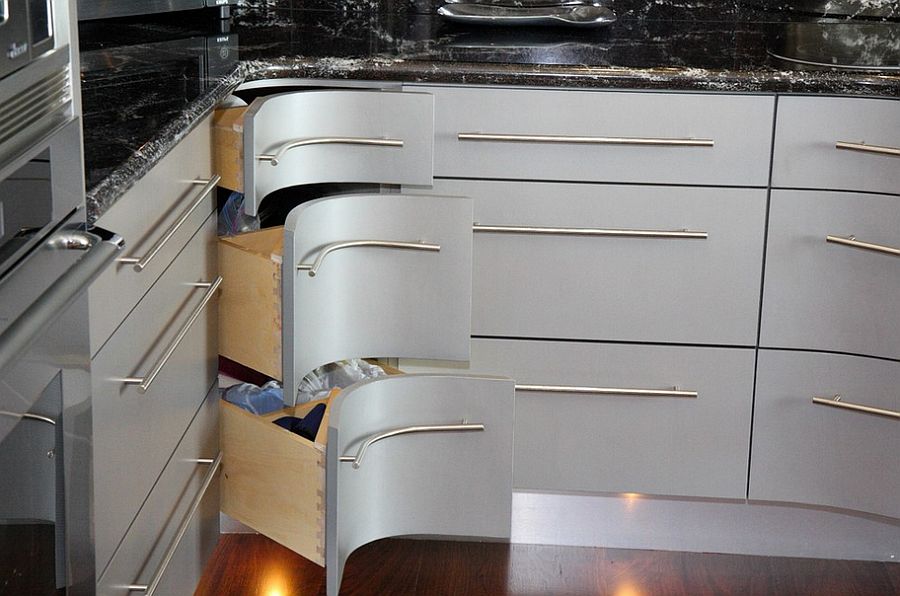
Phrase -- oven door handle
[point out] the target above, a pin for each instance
(99, 253)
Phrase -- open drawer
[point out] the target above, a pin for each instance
(309, 137)
(403, 455)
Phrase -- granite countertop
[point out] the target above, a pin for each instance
(147, 82)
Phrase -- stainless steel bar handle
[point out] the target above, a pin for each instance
(140, 263)
(278, 155)
(144, 382)
(313, 268)
(673, 392)
(150, 588)
(852, 241)
(601, 232)
(879, 150)
(836, 402)
(577, 140)
(356, 460)
(28, 416)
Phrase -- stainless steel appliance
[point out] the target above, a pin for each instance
(104, 9)
(47, 259)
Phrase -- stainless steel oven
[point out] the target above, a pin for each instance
(103, 9)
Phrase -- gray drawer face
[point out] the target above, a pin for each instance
(134, 432)
(326, 122)
(612, 288)
(826, 296)
(140, 554)
(808, 129)
(618, 443)
(456, 483)
(811, 453)
(375, 300)
(143, 217)
(739, 126)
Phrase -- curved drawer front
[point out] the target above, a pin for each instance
(376, 275)
(141, 553)
(638, 278)
(156, 217)
(602, 136)
(432, 454)
(838, 143)
(133, 430)
(336, 136)
(808, 452)
(824, 291)
(620, 418)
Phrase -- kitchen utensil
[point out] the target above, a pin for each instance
(568, 16)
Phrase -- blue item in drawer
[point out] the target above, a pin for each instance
(306, 427)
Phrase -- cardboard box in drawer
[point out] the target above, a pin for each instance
(250, 301)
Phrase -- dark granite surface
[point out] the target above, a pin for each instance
(146, 82)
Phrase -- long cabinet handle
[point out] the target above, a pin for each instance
(601, 232)
(28, 416)
(144, 382)
(356, 460)
(879, 150)
(140, 263)
(852, 241)
(577, 140)
(278, 155)
(150, 588)
(674, 392)
(313, 268)
(836, 402)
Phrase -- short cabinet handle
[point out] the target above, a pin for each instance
(674, 392)
(28, 416)
(278, 155)
(577, 140)
(601, 232)
(836, 402)
(852, 241)
(150, 588)
(140, 263)
(356, 460)
(144, 382)
(864, 148)
(313, 268)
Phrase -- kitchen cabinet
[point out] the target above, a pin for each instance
(154, 362)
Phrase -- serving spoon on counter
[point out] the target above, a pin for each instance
(571, 15)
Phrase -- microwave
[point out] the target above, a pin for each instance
(103, 9)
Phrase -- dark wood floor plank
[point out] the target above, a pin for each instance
(251, 565)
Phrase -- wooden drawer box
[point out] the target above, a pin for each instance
(609, 262)
(821, 293)
(812, 130)
(807, 452)
(597, 136)
(605, 417)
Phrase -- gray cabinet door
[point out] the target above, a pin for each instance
(336, 136)
(806, 452)
(616, 418)
(553, 279)
(810, 129)
(375, 275)
(828, 295)
(597, 136)
(411, 476)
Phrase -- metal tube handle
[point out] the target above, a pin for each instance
(144, 382)
(578, 140)
(278, 155)
(28, 416)
(313, 268)
(356, 460)
(864, 148)
(836, 402)
(673, 392)
(852, 241)
(157, 577)
(140, 263)
(601, 232)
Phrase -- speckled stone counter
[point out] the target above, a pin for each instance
(145, 83)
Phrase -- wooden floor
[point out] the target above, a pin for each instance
(251, 565)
